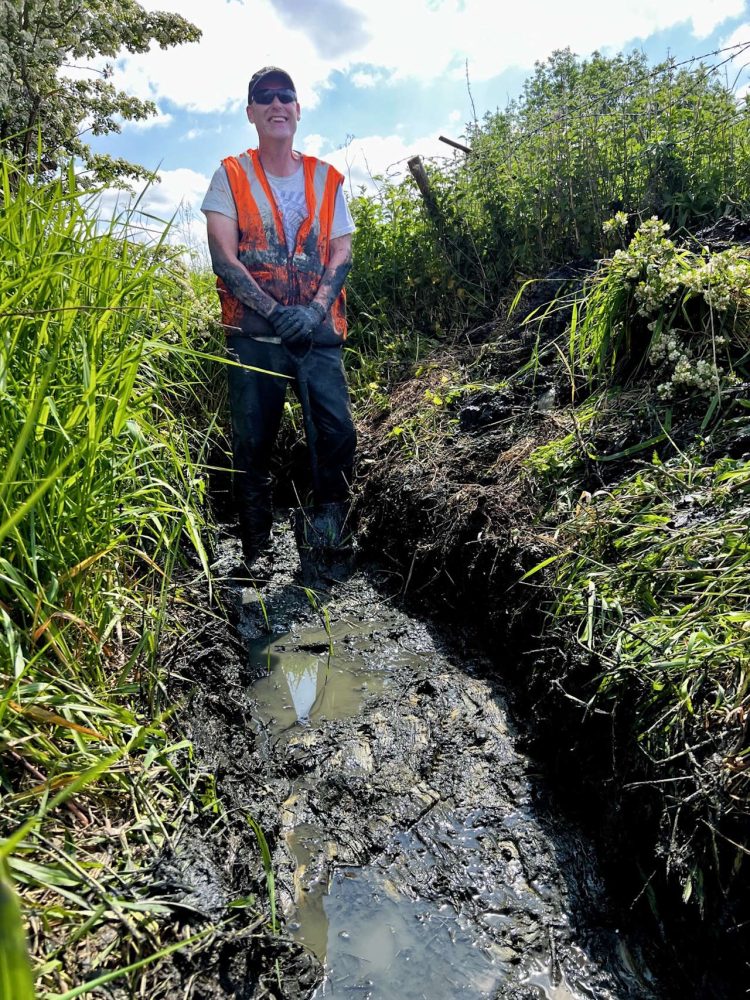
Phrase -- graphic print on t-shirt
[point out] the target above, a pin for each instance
(289, 194)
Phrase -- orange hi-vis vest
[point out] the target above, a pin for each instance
(290, 278)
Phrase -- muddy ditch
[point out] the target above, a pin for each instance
(452, 514)
(423, 843)
(416, 850)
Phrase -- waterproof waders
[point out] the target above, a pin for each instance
(257, 404)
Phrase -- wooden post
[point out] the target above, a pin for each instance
(418, 172)
(456, 145)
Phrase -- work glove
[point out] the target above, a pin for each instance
(295, 324)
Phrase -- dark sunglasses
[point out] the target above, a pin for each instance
(264, 95)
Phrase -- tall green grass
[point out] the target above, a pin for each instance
(101, 489)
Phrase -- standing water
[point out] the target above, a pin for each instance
(418, 856)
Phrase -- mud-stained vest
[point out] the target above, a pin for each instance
(290, 278)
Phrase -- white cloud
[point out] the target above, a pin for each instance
(314, 144)
(176, 198)
(362, 79)
(740, 36)
(176, 189)
(373, 156)
(212, 74)
(738, 69)
(416, 39)
(197, 133)
(431, 42)
(454, 116)
(155, 121)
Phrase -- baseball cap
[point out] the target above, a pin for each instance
(258, 77)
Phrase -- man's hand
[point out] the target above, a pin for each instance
(295, 324)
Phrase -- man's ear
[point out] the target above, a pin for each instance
(249, 111)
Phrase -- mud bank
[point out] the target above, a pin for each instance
(447, 504)
(415, 849)
(408, 829)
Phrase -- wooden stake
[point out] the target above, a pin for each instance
(456, 145)
(418, 172)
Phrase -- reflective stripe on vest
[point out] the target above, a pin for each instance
(289, 278)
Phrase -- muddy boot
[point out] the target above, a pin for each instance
(256, 564)
(255, 544)
(324, 542)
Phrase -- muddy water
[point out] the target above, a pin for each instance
(416, 853)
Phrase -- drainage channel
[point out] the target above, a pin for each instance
(418, 857)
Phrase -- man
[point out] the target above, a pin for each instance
(279, 234)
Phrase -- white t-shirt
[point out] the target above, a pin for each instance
(289, 193)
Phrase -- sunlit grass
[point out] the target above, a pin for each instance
(101, 491)
(650, 572)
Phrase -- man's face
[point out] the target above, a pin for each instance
(275, 120)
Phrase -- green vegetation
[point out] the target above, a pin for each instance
(651, 573)
(15, 972)
(101, 487)
(45, 109)
(642, 501)
(682, 310)
(587, 139)
(640, 484)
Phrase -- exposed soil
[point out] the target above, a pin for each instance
(416, 850)
(450, 511)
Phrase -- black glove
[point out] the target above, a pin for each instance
(295, 324)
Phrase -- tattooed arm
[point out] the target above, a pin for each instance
(334, 276)
(223, 244)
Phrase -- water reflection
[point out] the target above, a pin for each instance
(314, 675)
(302, 681)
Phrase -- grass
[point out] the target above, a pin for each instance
(654, 583)
(588, 140)
(15, 971)
(650, 573)
(106, 400)
(103, 433)
(629, 499)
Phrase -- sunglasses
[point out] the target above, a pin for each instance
(264, 95)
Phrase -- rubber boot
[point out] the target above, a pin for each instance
(324, 542)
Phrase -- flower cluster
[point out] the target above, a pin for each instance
(665, 281)
(673, 355)
(659, 272)
(616, 224)
(696, 306)
(723, 279)
(652, 263)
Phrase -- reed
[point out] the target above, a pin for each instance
(101, 491)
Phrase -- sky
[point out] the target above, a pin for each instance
(378, 80)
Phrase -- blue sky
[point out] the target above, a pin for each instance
(385, 77)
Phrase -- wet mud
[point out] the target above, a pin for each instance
(415, 849)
